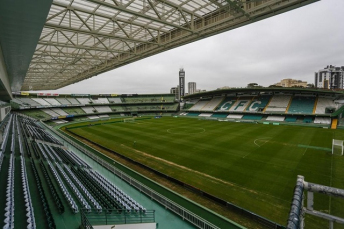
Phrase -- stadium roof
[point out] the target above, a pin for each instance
(264, 89)
(77, 39)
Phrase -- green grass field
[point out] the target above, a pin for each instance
(253, 166)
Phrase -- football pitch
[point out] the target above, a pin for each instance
(254, 166)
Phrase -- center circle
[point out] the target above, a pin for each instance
(186, 130)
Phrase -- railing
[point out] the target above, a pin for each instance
(167, 203)
(113, 217)
(298, 211)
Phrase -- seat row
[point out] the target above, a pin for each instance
(65, 191)
(31, 224)
(48, 216)
(123, 199)
(88, 195)
(76, 191)
(9, 209)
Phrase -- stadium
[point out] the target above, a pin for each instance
(229, 158)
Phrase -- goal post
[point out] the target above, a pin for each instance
(337, 147)
(129, 120)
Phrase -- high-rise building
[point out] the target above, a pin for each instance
(331, 77)
(181, 83)
(192, 88)
(175, 91)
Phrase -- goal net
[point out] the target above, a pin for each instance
(337, 147)
(129, 120)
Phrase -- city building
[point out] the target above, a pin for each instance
(291, 83)
(331, 77)
(191, 88)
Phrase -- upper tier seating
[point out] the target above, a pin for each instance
(115, 100)
(100, 101)
(199, 105)
(234, 116)
(41, 101)
(322, 120)
(323, 103)
(52, 101)
(258, 104)
(59, 111)
(88, 110)
(29, 101)
(302, 105)
(275, 118)
(18, 101)
(278, 103)
(212, 104)
(240, 105)
(84, 100)
(226, 104)
(50, 112)
(73, 101)
(102, 109)
(63, 101)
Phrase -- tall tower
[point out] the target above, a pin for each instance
(181, 83)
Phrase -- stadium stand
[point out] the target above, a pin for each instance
(301, 105)
(212, 104)
(323, 103)
(29, 102)
(278, 103)
(117, 108)
(73, 101)
(252, 117)
(58, 111)
(199, 105)
(36, 113)
(226, 104)
(84, 100)
(100, 101)
(205, 115)
(88, 110)
(322, 120)
(50, 112)
(41, 101)
(73, 110)
(63, 101)
(240, 105)
(102, 109)
(219, 115)
(235, 116)
(193, 114)
(52, 101)
(275, 118)
(93, 117)
(103, 116)
(308, 119)
(290, 119)
(258, 104)
(115, 100)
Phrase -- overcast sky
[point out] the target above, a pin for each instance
(290, 45)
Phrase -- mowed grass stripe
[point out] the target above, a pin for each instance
(254, 166)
